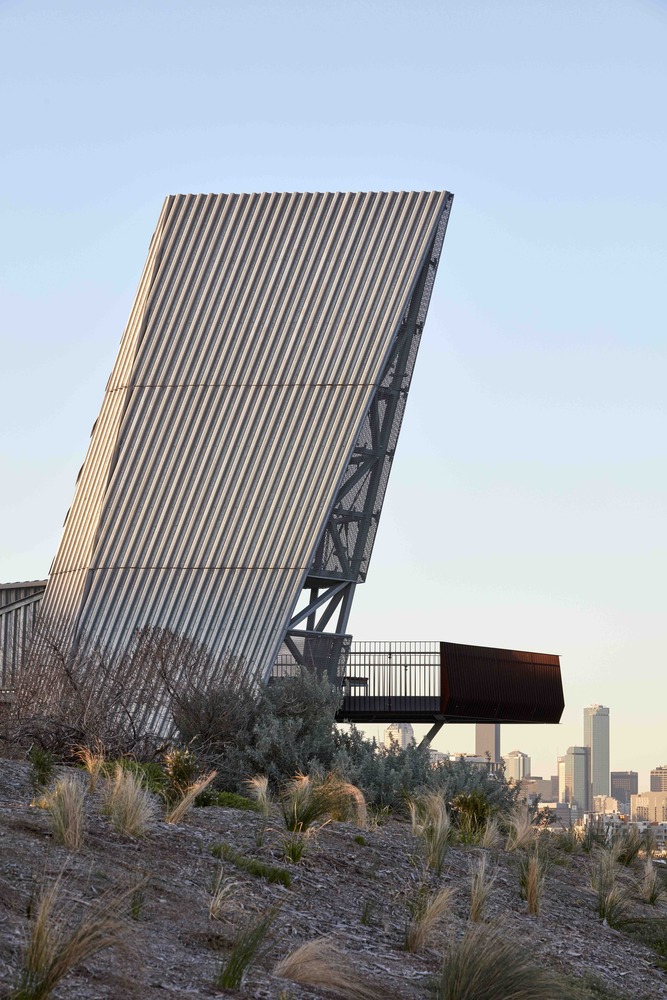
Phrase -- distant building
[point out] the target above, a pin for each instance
(605, 805)
(624, 784)
(554, 788)
(578, 777)
(534, 787)
(401, 733)
(659, 779)
(517, 765)
(596, 736)
(487, 741)
(561, 779)
(649, 806)
(472, 758)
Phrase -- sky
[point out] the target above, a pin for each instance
(527, 501)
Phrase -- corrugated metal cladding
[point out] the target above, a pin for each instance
(19, 603)
(261, 329)
(484, 684)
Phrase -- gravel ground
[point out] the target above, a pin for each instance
(356, 892)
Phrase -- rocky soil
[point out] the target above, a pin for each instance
(356, 891)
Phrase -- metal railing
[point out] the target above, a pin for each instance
(392, 678)
(389, 679)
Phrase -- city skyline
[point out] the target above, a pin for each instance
(529, 488)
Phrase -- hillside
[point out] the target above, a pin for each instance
(356, 887)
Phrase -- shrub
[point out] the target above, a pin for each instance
(226, 800)
(487, 965)
(41, 767)
(72, 693)
(65, 805)
(471, 811)
(182, 770)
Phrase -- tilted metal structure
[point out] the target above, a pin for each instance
(19, 604)
(239, 463)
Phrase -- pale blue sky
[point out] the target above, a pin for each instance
(527, 502)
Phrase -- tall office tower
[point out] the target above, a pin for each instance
(596, 736)
(578, 777)
(401, 733)
(517, 765)
(487, 740)
(561, 779)
(623, 785)
(659, 779)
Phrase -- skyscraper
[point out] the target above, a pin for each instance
(578, 777)
(561, 780)
(401, 733)
(623, 785)
(517, 765)
(487, 740)
(596, 736)
(659, 779)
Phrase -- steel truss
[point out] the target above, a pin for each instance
(343, 553)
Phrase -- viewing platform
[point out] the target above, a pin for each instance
(437, 682)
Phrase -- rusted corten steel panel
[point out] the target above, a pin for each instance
(485, 684)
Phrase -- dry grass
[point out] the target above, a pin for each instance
(53, 949)
(65, 805)
(492, 836)
(187, 799)
(532, 875)
(348, 804)
(651, 887)
(612, 900)
(431, 823)
(426, 917)
(487, 965)
(258, 789)
(130, 806)
(522, 832)
(305, 800)
(320, 964)
(93, 761)
(481, 884)
(221, 899)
